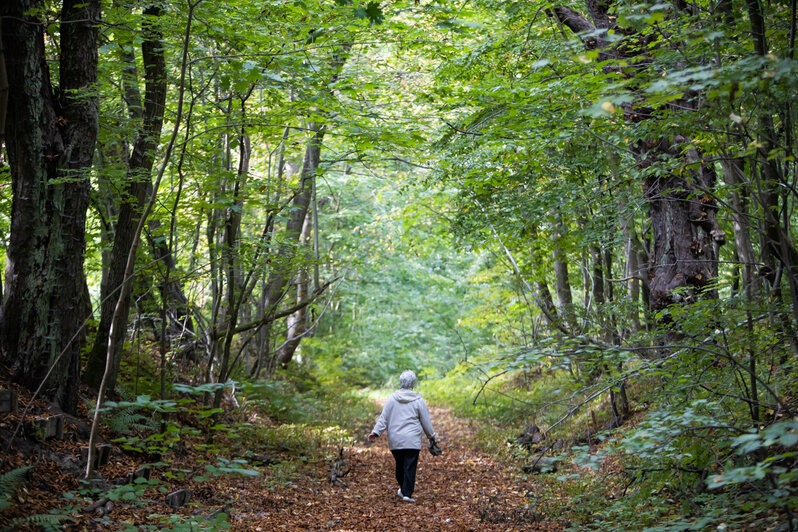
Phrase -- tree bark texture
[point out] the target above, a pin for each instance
(686, 234)
(50, 142)
(544, 298)
(139, 185)
(684, 258)
(232, 263)
(178, 313)
(565, 303)
(777, 245)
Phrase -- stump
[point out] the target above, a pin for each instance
(8, 401)
(142, 472)
(101, 454)
(45, 428)
(339, 469)
(530, 436)
(178, 498)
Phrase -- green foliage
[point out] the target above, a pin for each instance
(44, 522)
(176, 522)
(235, 466)
(149, 425)
(296, 439)
(132, 493)
(303, 398)
(283, 474)
(130, 419)
(471, 149)
(9, 482)
(403, 297)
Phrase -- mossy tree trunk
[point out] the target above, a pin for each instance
(50, 143)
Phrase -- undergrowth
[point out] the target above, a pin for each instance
(685, 458)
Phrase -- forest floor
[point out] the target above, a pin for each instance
(463, 489)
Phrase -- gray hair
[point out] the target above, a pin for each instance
(407, 380)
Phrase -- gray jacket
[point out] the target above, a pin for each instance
(405, 415)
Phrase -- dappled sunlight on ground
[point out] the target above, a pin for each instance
(452, 490)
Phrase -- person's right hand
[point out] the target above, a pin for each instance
(372, 437)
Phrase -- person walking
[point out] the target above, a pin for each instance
(405, 416)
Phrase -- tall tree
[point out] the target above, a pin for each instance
(685, 230)
(138, 187)
(50, 135)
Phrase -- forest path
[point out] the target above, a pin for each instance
(462, 489)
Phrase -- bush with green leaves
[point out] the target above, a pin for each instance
(299, 397)
(175, 522)
(690, 469)
(296, 439)
(224, 466)
(149, 425)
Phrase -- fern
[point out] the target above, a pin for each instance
(9, 482)
(46, 522)
(126, 420)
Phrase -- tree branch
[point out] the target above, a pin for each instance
(270, 317)
(573, 20)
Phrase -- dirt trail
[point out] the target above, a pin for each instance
(461, 490)
(452, 492)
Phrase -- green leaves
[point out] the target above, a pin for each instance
(226, 467)
(783, 433)
(372, 12)
(9, 483)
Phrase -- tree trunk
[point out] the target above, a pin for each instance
(297, 322)
(138, 187)
(178, 315)
(50, 144)
(264, 332)
(685, 228)
(232, 266)
(279, 276)
(598, 278)
(733, 176)
(633, 271)
(778, 247)
(686, 235)
(565, 304)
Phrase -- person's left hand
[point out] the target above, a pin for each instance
(372, 437)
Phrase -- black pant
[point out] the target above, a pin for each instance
(406, 463)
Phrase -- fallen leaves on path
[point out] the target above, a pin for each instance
(462, 489)
(459, 490)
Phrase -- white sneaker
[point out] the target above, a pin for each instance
(399, 492)
(408, 499)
